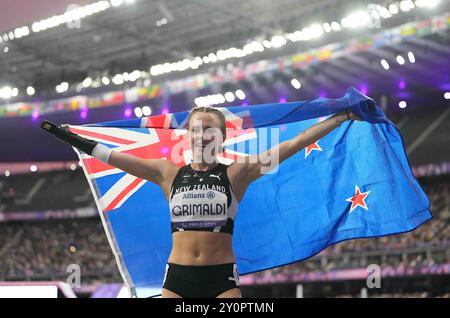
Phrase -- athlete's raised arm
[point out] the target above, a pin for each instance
(158, 171)
(255, 166)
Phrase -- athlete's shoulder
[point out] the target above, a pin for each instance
(170, 170)
(224, 165)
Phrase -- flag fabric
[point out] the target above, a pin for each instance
(355, 182)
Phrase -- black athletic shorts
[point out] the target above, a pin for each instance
(200, 281)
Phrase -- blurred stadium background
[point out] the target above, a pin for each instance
(79, 62)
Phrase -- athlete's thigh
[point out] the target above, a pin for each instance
(231, 293)
(169, 294)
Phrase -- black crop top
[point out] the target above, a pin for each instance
(202, 200)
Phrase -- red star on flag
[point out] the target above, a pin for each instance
(311, 147)
(358, 199)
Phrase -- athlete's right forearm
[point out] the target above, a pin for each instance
(87, 146)
(149, 169)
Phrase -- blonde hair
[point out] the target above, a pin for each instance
(208, 109)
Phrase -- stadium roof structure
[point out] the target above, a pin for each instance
(135, 36)
(139, 34)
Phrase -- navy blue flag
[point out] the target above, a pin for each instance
(355, 182)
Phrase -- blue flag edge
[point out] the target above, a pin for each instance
(129, 284)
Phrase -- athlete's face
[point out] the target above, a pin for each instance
(204, 136)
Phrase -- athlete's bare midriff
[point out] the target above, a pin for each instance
(201, 248)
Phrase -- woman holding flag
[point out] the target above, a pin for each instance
(203, 197)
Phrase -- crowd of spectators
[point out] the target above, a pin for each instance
(45, 249)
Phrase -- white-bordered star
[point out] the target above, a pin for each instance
(358, 199)
(311, 147)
